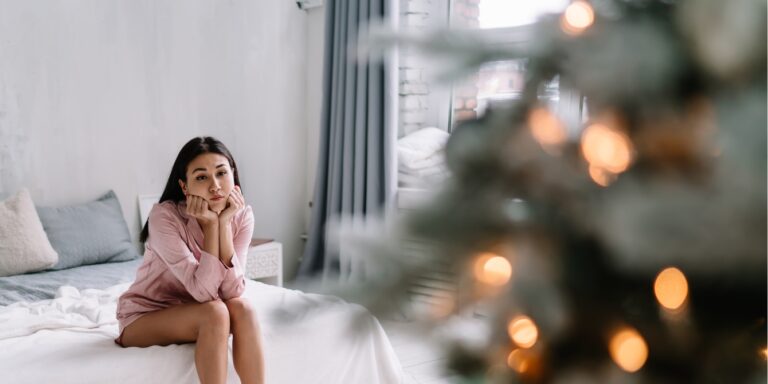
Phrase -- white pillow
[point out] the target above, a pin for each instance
(425, 141)
(422, 149)
(24, 246)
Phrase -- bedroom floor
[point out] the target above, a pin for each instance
(421, 360)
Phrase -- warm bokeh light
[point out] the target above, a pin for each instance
(546, 128)
(671, 288)
(492, 269)
(628, 350)
(518, 361)
(606, 148)
(601, 177)
(522, 330)
(577, 17)
(764, 353)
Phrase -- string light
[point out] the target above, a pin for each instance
(547, 129)
(600, 176)
(608, 152)
(492, 269)
(606, 148)
(518, 361)
(628, 350)
(671, 288)
(522, 330)
(577, 17)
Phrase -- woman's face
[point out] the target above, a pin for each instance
(210, 177)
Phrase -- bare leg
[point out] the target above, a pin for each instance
(247, 352)
(207, 324)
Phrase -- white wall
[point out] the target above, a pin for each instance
(315, 63)
(99, 95)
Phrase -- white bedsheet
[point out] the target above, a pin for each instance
(70, 340)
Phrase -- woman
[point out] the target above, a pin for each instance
(188, 288)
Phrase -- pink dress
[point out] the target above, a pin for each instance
(177, 270)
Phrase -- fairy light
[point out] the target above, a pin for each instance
(522, 330)
(492, 269)
(600, 176)
(608, 152)
(606, 148)
(546, 128)
(577, 17)
(671, 288)
(628, 350)
(518, 361)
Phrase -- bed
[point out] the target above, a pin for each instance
(59, 326)
(69, 339)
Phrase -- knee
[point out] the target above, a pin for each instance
(215, 316)
(240, 310)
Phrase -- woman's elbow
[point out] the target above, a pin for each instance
(236, 290)
(203, 296)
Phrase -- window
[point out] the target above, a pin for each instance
(504, 22)
(501, 81)
(429, 111)
(511, 13)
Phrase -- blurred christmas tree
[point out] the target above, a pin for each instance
(634, 251)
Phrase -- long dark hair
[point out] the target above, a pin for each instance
(190, 150)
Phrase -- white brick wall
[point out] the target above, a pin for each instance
(413, 87)
(410, 74)
(416, 6)
(414, 90)
(413, 117)
(410, 103)
(416, 20)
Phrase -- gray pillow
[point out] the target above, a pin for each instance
(89, 233)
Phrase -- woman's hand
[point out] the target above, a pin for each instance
(235, 202)
(197, 207)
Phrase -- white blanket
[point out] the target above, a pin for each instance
(70, 340)
(421, 150)
(421, 159)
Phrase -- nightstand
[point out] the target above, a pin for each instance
(265, 261)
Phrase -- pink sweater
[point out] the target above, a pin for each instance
(177, 270)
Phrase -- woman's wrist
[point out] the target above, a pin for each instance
(226, 249)
(225, 219)
(211, 238)
(210, 224)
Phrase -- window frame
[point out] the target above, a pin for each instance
(570, 103)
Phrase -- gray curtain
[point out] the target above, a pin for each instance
(351, 176)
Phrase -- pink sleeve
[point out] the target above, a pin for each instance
(234, 280)
(203, 278)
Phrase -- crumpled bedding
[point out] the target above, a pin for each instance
(44, 285)
(70, 339)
